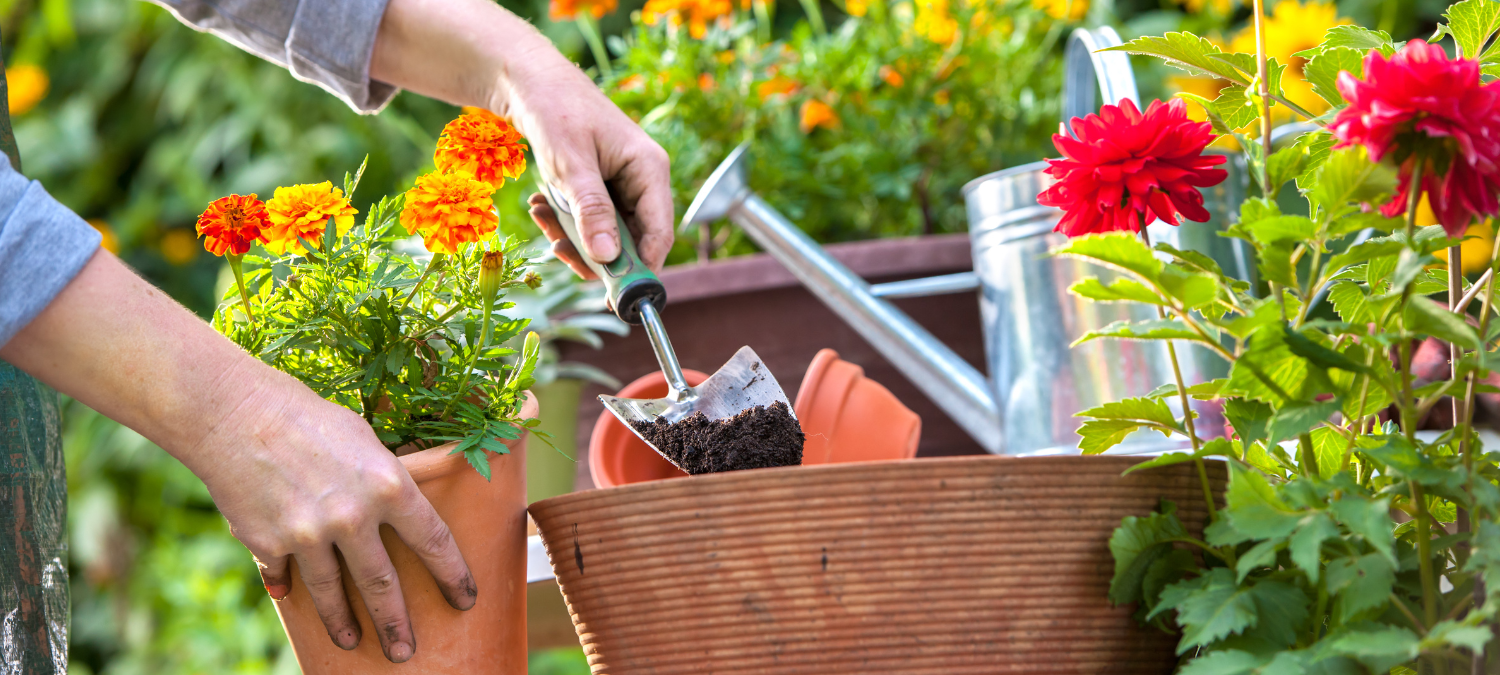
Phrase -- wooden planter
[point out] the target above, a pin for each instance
(488, 520)
(942, 566)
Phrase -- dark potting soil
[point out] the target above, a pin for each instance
(759, 437)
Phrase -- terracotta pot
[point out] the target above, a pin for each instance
(851, 418)
(616, 455)
(488, 520)
(938, 566)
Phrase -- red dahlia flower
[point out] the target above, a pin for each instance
(1127, 169)
(1421, 106)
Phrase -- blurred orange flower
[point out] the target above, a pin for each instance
(706, 82)
(940, 97)
(695, 13)
(776, 86)
(449, 209)
(303, 211)
(892, 76)
(108, 241)
(177, 247)
(567, 10)
(725, 57)
(231, 224)
(26, 86)
(816, 114)
(857, 7)
(483, 144)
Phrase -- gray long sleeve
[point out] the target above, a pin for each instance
(326, 42)
(43, 245)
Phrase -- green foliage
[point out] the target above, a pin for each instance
(1305, 569)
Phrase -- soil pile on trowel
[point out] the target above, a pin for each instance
(757, 438)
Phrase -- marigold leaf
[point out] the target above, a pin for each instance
(1361, 39)
(1096, 436)
(1254, 507)
(1249, 418)
(1360, 584)
(1370, 519)
(1306, 545)
(1187, 52)
(1137, 544)
(1216, 609)
(1322, 72)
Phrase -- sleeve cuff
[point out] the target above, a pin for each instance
(331, 43)
(43, 245)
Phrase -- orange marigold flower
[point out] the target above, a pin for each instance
(775, 86)
(302, 211)
(484, 144)
(564, 10)
(107, 239)
(725, 57)
(231, 224)
(695, 13)
(857, 7)
(26, 86)
(177, 246)
(816, 114)
(449, 209)
(940, 97)
(706, 82)
(892, 76)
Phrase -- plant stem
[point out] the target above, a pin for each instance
(763, 23)
(1466, 448)
(434, 263)
(1187, 410)
(239, 281)
(1424, 554)
(591, 35)
(1264, 91)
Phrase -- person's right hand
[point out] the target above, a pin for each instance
(300, 478)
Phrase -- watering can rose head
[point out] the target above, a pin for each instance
(1433, 114)
(1126, 169)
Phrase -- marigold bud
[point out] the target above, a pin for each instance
(532, 280)
(491, 271)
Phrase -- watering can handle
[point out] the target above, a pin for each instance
(627, 280)
(1089, 70)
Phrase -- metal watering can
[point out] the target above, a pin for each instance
(1036, 382)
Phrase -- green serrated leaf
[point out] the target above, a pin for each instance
(1120, 250)
(1298, 418)
(1428, 318)
(1226, 662)
(1096, 436)
(1136, 545)
(1158, 329)
(1147, 409)
(1320, 356)
(1360, 584)
(1187, 52)
(1123, 289)
(1368, 518)
(1259, 555)
(1211, 609)
(1322, 72)
(1306, 544)
(1275, 264)
(1378, 647)
(1249, 418)
(1281, 228)
(1254, 507)
(1348, 178)
(1360, 39)
(1471, 23)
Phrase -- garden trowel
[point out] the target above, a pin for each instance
(637, 297)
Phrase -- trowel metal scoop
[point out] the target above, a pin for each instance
(637, 297)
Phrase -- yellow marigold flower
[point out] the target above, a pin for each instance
(857, 7)
(1195, 6)
(178, 246)
(776, 86)
(816, 114)
(484, 144)
(725, 57)
(303, 211)
(567, 10)
(26, 86)
(892, 77)
(1072, 10)
(934, 22)
(449, 209)
(108, 241)
(1293, 27)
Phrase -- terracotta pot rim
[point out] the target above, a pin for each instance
(718, 482)
(436, 462)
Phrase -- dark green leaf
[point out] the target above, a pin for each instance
(1321, 356)
(1306, 545)
(1254, 508)
(1227, 662)
(1259, 555)
(1361, 584)
(1368, 518)
(1249, 418)
(1136, 544)
(1378, 647)
(1298, 418)
(1428, 318)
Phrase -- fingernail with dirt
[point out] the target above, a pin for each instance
(400, 652)
(278, 591)
(604, 247)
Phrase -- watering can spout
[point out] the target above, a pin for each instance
(954, 385)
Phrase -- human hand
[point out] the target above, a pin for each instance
(300, 478)
(584, 141)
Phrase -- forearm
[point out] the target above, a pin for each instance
(465, 52)
(118, 344)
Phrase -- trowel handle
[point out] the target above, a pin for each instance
(626, 279)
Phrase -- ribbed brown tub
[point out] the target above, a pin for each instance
(951, 566)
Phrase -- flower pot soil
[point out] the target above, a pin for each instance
(757, 438)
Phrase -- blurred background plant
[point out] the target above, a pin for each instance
(867, 116)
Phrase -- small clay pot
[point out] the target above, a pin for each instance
(944, 566)
(616, 455)
(488, 520)
(848, 417)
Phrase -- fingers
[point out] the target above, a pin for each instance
(375, 577)
(320, 571)
(428, 536)
(274, 575)
(646, 182)
(593, 211)
(541, 213)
